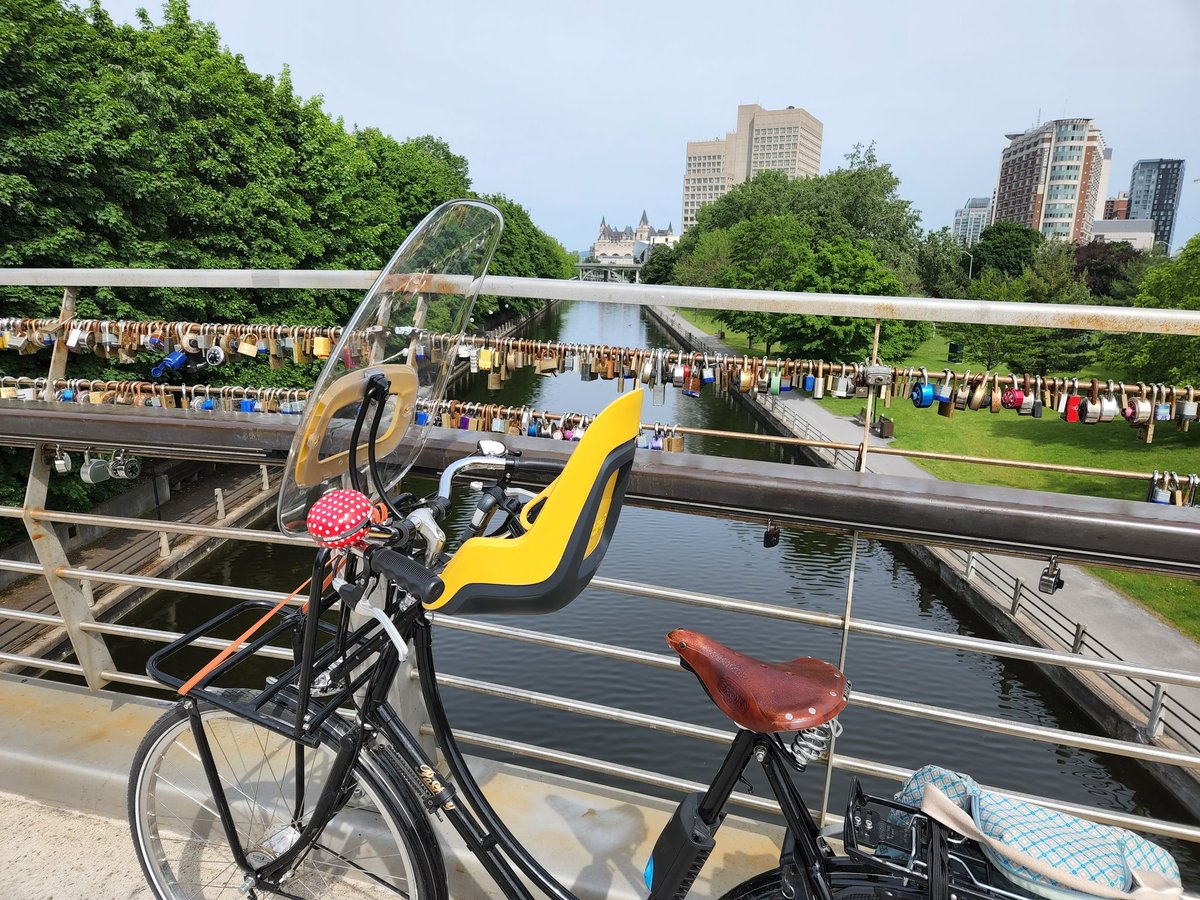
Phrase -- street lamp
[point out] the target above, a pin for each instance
(970, 263)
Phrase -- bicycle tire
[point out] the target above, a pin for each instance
(380, 843)
(769, 886)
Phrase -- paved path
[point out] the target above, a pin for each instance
(52, 853)
(1111, 619)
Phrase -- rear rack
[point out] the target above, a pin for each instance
(900, 840)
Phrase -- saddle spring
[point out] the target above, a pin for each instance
(811, 744)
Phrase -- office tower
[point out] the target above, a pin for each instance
(1051, 178)
(970, 221)
(1117, 207)
(787, 140)
(1154, 189)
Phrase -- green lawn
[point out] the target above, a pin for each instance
(1006, 435)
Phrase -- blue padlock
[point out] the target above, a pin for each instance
(246, 405)
(922, 392)
(171, 362)
(810, 379)
(422, 417)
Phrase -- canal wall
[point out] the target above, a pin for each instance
(1001, 598)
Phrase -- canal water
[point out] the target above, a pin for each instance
(805, 571)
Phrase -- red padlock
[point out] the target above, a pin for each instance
(1012, 398)
(1072, 411)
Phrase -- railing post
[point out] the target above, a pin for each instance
(164, 545)
(970, 573)
(842, 666)
(266, 479)
(1016, 598)
(220, 497)
(1077, 643)
(1154, 724)
(85, 587)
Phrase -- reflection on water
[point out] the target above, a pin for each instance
(806, 571)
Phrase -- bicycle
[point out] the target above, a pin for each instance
(313, 785)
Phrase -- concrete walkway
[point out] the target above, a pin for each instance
(1111, 619)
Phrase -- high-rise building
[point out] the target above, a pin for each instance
(1051, 178)
(970, 221)
(1154, 189)
(1117, 207)
(786, 140)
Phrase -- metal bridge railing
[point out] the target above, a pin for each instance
(88, 636)
(894, 705)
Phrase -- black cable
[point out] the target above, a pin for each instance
(363, 406)
(379, 384)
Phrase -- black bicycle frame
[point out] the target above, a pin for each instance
(499, 850)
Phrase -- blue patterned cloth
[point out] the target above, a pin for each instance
(1099, 853)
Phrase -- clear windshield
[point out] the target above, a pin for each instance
(426, 290)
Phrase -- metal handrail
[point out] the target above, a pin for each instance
(861, 306)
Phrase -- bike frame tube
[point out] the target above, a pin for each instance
(499, 835)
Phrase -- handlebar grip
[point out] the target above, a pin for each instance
(419, 581)
(545, 468)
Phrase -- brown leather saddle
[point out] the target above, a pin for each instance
(761, 696)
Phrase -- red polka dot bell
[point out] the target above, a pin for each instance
(339, 519)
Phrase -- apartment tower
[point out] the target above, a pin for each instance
(1154, 189)
(1053, 178)
(970, 221)
(1117, 207)
(786, 140)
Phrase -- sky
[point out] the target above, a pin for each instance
(579, 111)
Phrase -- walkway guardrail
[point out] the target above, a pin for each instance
(95, 665)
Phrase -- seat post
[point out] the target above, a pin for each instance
(723, 782)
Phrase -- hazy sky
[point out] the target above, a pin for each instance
(583, 110)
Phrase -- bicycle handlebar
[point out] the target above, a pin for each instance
(549, 468)
(415, 578)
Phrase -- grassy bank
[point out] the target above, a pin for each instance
(1047, 440)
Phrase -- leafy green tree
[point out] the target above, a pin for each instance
(1175, 284)
(989, 345)
(781, 253)
(660, 265)
(1007, 247)
(941, 264)
(1052, 279)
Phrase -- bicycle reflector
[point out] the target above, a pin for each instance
(339, 518)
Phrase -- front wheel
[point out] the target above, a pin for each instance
(376, 845)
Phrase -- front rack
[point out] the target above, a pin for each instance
(902, 841)
(329, 663)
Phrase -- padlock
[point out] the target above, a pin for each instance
(963, 395)
(810, 378)
(771, 535)
(121, 466)
(656, 441)
(818, 388)
(1051, 578)
(946, 395)
(844, 387)
(979, 393)
(922, 391)
(248, 345)
(708, 376)
(762, 376)
(1162, 406)
(1159, 490)
(93, 471)
(877, 375)
(787, 376)
(322, 346)
(1109, 406)
(62, 461)
(1012, 397)
(775, 385)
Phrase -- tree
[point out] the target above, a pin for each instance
(1174, 284)
(1052, 279)
(941, 264)
(781, 253)
(989, 345)
(659, 267)
(1006, 246)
